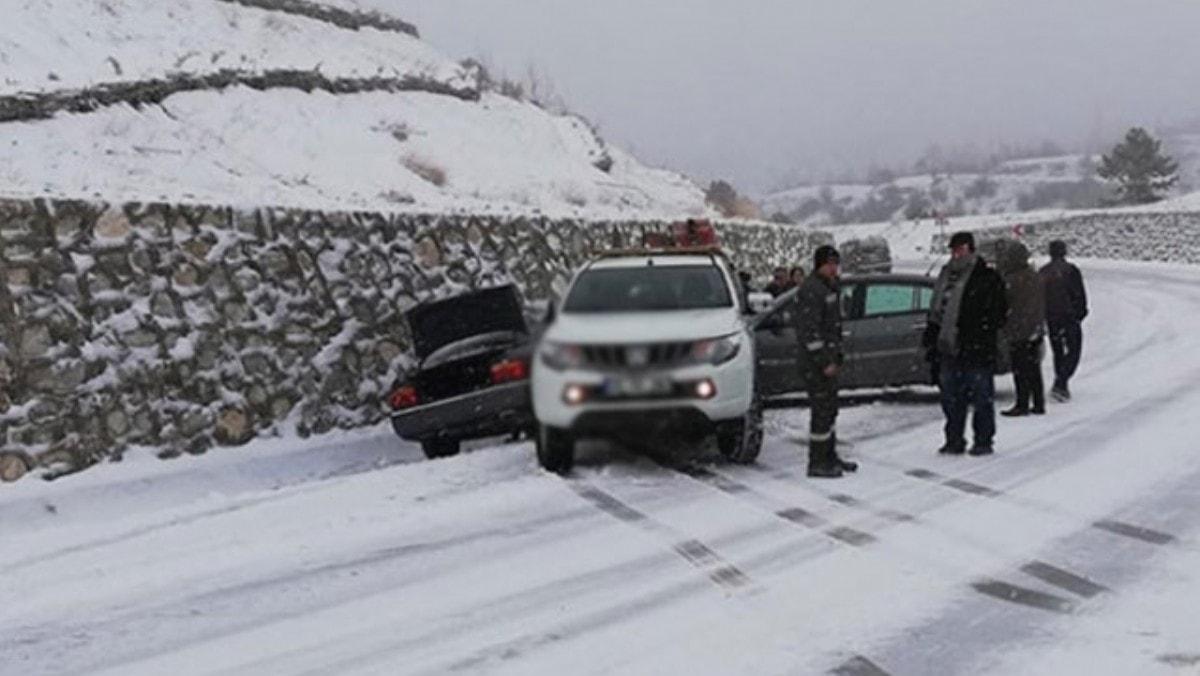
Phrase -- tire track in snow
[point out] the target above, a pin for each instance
(153, 528)
(523, 602)
(695, 552)
(262, 593)
(858, 666)
(789, 513)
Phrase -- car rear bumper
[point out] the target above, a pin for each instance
(495, 410)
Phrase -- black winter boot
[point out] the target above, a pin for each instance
(953, 448)
(822, 460)
(846, 465)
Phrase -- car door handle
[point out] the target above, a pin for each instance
(919, 327)
(847, 334)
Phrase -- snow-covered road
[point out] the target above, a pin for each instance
(1076, 549)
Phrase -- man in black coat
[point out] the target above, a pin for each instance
(1066, 308)
(969, 309)
(818, 319)
(780, 283)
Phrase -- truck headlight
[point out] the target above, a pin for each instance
(717, 351)
(560, 356)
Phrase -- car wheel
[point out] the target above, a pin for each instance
(740, 441)
(555, 450)
(440, 448)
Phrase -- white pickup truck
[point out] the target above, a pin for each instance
(643, 343)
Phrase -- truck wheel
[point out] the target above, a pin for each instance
(741, 440)
(555, 450)
(440, 448)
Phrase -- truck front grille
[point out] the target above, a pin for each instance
(654, 355)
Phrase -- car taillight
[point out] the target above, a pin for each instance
(405, 397)
(509, 371)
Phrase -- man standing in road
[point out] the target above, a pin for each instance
(1025, 329)
(1066, 308)
(968, 311)
(818, 320)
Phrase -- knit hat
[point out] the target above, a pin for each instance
(824, 255)
(961, 238)
(1058, 249)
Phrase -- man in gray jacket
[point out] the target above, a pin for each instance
(1024, 329)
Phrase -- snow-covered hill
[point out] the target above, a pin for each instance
(1016, 186)
(279, 102)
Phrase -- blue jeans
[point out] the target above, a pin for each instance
(963, 387)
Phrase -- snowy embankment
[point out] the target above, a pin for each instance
(53, 45)
(1072, 550)
(376, 151)
(219, 102)
(1167, 231)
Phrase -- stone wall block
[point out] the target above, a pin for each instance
(200, 324)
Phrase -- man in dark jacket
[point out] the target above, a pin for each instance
(969, 309)
(1024, 332)
(1066, 308)
(779, 283)
(818, 320)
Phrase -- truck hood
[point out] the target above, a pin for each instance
(643, 327)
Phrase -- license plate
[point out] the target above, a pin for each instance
(637, 386)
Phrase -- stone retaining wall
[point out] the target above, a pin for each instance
(185, 327)
(342, 18)
(43, 106)
(1172, 237)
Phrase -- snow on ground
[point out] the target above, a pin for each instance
(1073, 550)
(48, 45)
(371, 151)
(282, 147)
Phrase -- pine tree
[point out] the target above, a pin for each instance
(1140, 169)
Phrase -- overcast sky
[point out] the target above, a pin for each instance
(761, 90)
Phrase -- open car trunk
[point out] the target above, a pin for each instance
(457, 340)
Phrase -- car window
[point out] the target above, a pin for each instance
(924, 298)
(848, 291)
(889, 299)
(649, 288)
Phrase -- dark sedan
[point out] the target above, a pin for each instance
(472, 376)
(884, 317)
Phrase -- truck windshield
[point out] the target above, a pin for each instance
(665, 287)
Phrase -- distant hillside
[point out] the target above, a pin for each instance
(290, 103)
(1014, 186)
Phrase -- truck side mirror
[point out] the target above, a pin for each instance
(760, 302)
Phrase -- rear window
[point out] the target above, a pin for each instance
(641, 289)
